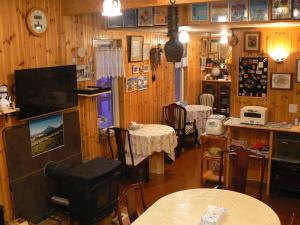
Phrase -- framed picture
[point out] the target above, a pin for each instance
(130, 18)
(296, 9)
(281, 81)
(258, 10)
(146, 68)
(204, 46)
(238, 10)
(298, 70)
(114, 22)
(281, 9)
(83, 72)
(161, 15)
(131, 84)
(219, 11)
(135, 48)
(145, 17)
(252, 41)
(135, 69)
(46, 134)
(199, 12)
(142, 82)
(146, 51)
(214, 46)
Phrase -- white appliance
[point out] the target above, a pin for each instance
(215, 124)
(255, 115)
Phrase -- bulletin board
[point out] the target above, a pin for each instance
(253, 76)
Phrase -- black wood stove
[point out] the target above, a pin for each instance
(90, 189)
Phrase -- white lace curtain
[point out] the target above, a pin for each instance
(109, 62)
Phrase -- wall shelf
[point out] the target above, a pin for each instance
(94, 95)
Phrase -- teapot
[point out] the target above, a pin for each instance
(4, 103)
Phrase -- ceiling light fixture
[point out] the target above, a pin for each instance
(111, 8)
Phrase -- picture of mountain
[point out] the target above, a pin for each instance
(46, 134)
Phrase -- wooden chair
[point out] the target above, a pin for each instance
(206, 99)
(241, 168)
(129, 162)
(175, 116)
(129, 196)
(293, 219)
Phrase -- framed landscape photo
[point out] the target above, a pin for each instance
(219, 11)
(114, 22)
(161, 15)
(135, 48)
(199, 12)
(238, 10)
(145, 17)
(252, 41)
(281, 9)
(296, 9)
(130, 18)
(258, 10)
(281, 81)
(298, 70)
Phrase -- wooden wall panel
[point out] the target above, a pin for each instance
(277, 101)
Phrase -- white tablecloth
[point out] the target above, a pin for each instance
(200, 113)
(153, 138)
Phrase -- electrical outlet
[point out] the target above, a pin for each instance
(293, 108)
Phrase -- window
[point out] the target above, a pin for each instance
(107, 104)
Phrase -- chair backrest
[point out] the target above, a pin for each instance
(293, 219)
(130, 196)
(206, 99)
(174, 115)
(241, 169)
(121, 136)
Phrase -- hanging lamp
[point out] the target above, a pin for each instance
(173, 48)
(111, 8)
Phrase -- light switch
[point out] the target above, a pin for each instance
(293, 108)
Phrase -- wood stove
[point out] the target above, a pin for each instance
(91, 188)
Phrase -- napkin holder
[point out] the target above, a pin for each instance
(213, 215)
(134, 126)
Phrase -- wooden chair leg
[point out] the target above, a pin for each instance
(146, 170)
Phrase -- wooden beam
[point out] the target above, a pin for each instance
(77, 7)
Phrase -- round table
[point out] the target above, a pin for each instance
(200, 113)
(151, 140)
(187, 207)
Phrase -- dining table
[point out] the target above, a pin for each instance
(153, 140)
(200, 113)
(188, 206)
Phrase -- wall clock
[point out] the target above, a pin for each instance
(37, 21)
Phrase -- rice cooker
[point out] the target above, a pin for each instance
(215, 124)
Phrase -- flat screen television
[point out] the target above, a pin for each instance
(45, 90)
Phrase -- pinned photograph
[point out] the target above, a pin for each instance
(46, 134)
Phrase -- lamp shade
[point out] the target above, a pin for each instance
(111, 8)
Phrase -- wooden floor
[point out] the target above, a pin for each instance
(184, 173)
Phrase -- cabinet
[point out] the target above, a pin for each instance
(209, 162)
(221, 91)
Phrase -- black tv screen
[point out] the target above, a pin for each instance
(44, 90)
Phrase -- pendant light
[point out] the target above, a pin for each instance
(111, 8)
(173, 48)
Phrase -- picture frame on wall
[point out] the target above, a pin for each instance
(130, 18)
(145, 17)
(281, 9)
(238, 10)
(131, 83)
(114, 22)
(214, 46)
(281, 81)
(204, 46)
(146, 51)
(135, 47)
(219, 12)
(135, 69)
(298, 70)
(142, 82)
(296, 9)
(161, 16)
(258, 10)
(199, 12)
(252, 41)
